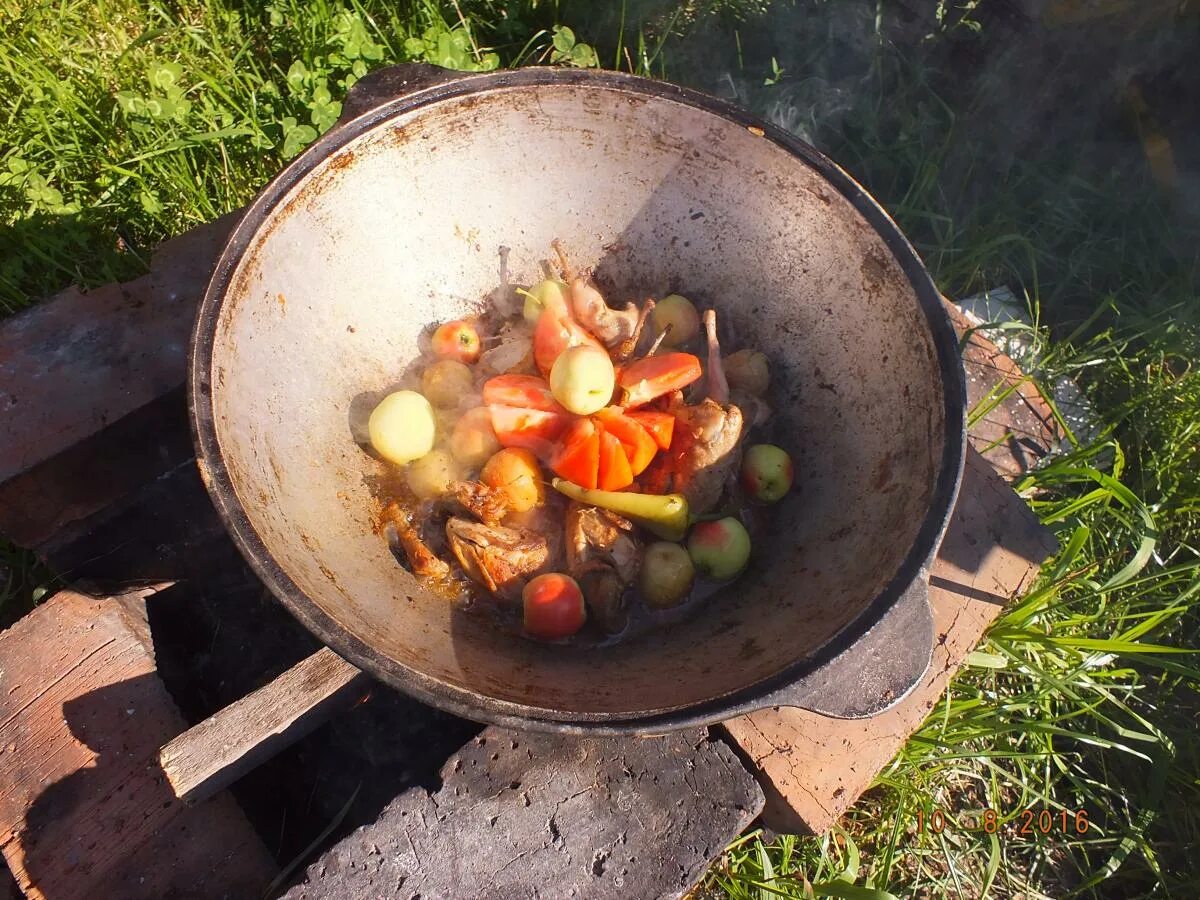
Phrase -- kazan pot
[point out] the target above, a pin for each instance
(397, 219)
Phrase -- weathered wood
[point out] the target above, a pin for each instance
(84, 810)
(221, 749)
(71, 366)
(815, 767)
(535, 815)
(1016, 427)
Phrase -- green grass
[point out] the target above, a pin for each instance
(129, 122)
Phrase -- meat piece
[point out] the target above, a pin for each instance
(706, 449)
(499, 558)
(604, 557)
(612, 327)
(624, 351)
(401, 531)
(484, 503)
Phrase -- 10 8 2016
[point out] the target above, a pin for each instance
(1026, 822)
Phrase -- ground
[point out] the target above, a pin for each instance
(1047, 146)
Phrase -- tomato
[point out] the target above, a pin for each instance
(553, 606)
(577, 456)
(533, 429)
(638, 443)
(660, 425)
(526, 391)
(650, 378)
(613, 472)
(553, 334)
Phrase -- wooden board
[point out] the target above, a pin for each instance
(813, 767)
(224, 747)
(537, 815)
(1014, 426)
(84, 810)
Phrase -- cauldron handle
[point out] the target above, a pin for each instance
(380, 86)
(875, 672)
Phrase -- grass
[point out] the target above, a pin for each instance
(1006, 164)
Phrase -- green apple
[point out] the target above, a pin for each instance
(402, 427)
(678, 312)
(666, 576)
(749, 371)
(550, 293)
(582, 379)
(720, 549)
(767, 472)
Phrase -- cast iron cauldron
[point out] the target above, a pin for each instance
(394, 220)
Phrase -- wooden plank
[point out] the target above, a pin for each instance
(539, 815)
(84, 810)
(814, 767)
(1017, 432)
(221, 749)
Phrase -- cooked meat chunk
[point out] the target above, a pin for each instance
(484, 503)
(604, 557)
(613, 327)
(499, 558)
(707, 446)
(401, 531)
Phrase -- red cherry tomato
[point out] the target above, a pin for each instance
(553, 607)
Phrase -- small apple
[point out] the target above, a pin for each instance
(553, 606)
(666, 576)
(720, 549)
(582, 379)
(456, 340)
(677, 311)
(515, 472)
(402, 427)
(446, 382)
(548, 294)
(473, 440)
(430, 476)
(767, 472)
(749, 371)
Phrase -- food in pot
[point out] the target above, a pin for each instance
(720, 549)
(667, 575)
(749, 371)
(402, 427)
(553, 606)
(676, 319)
(456, 340)
(767, 473)
(641, 438)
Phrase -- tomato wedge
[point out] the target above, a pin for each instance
(553, 334)
(639, 445)
(533, 429)
(654, 376)
(577, 455)
(524, 391)
(614, 472)
(661, 425)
